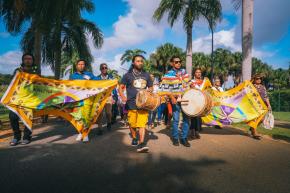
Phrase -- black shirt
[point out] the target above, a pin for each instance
(135, 82)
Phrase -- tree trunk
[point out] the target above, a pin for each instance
(57, 66)
(189, 52)
(37, 49)
(247, 38)
(211, 71)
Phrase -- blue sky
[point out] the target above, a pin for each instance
(127, 24)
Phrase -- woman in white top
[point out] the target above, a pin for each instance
(217, 85)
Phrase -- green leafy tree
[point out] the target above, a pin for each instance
(190, 11)
(129, 54)
(161, 57)
(56, 27)
(213, 14)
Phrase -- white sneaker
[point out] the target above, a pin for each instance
(86, 139)
(79, 137)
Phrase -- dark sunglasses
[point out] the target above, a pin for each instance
(177, 62)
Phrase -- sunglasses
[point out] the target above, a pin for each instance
(104, 68)
(177, 62)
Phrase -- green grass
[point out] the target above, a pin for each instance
(4, 113)
(277, 132)
(282, 116)
(4, 117)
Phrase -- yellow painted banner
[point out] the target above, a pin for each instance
(78, 101)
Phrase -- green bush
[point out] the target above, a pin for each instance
(283, 99)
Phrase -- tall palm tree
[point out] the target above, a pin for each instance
(213, 14)
(161, 57)
(247, 35)
(190, 10)
(65, 33)
(55, 27)
(16, 12)
(129, 54)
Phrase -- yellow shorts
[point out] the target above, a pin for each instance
(137, 118)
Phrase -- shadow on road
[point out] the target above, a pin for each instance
(210, 130)
(106, 165)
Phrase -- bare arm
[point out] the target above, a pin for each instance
(121, 90)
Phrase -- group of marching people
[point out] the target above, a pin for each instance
(123, 102)
(108, 115)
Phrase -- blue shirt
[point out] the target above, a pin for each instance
(82, 76)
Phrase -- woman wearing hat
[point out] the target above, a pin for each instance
(257, 82)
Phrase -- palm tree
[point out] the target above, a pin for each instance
(56, 27)
(114, 73)
(190, 10)
(213, 14)
(161, 57)
(148, 67)
(202, 61)
(247, 35)
(129, 54)
(65, 33)
(16, 12)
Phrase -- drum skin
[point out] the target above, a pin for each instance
(198, 103)
(147, 100)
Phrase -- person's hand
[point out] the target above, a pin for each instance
(124, 99)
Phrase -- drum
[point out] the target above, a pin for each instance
(196, 103)
(147, 100)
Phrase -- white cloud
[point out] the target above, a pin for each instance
(131, 29)
(135, 27)
(271, 20)
(10, 61)
(223, 39)
(114, 64)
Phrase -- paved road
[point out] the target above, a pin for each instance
(223, 161)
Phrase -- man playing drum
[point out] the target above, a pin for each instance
(135, 80)
(176, 106)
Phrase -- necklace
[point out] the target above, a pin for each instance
(136, 74)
